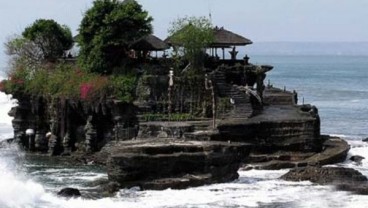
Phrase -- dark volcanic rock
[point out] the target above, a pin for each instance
(357, 158)
(365, 140)
(285, 128)
(168, 163)
(324, 175)
(335, 150)
(345, 179)
(69, 192)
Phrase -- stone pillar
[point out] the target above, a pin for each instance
(91, 136)
(118, 128)
(53, 113)
(66, 144)
(20, 123)
(52, 143)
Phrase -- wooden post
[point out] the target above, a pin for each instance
(209, 86)
(213, 105)
(169, 102)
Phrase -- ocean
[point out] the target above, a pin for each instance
(335, 84)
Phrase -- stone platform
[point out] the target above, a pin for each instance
(278, 127)
(169, 163)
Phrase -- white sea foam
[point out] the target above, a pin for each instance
(73, 177)
(253, 189)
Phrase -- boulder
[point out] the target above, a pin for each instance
(69, 192)
(324, 175)
(169, 163)
(357, 159)
(345, 179)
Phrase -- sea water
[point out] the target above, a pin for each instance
(335, 84)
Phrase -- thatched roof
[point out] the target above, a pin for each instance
(150, 43)
(223, 39)
(226, 38)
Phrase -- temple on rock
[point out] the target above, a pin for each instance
(224, 100)
(169, 96)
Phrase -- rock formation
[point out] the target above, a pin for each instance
(335, 150)
(345, 179)
(69, 192)
(66, 126)
(169, 163)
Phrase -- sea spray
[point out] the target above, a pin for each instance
(6, 130)
(15, 189)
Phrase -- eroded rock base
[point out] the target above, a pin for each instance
(168, 163)
(335, 150)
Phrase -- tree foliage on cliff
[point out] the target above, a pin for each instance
(193, 35)
(43, 41)
(107, 31)
(37, 70)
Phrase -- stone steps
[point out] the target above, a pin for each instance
(242, 106)
(242, 111)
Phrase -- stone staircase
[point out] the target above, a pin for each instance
(242, 106)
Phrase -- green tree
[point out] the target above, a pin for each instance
(50, 38)
(43, 41)
(107, 31)
(193, 35)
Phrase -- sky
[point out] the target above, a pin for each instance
(258, 20)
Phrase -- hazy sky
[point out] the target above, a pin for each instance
(259, 20)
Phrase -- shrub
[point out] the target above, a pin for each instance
(67, 81)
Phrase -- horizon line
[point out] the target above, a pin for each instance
(307, 41)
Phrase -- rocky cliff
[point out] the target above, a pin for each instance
(62, 126)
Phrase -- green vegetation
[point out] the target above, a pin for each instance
(103, 69)
(190, 37)
(193, 34)
(107, 31)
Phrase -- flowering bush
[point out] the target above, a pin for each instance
(15, 82)
(67, 81)
(85, 90)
